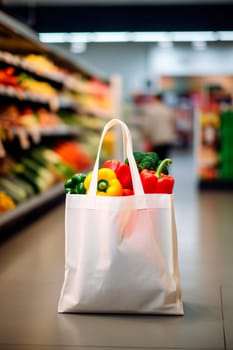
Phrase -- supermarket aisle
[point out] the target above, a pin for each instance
(31, 274)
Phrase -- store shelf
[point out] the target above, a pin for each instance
(23, 210)
(44, 108)
(216, 184)
(47, 131)
(54, 102)
(19, 62)
(20, 39)
(214, 130)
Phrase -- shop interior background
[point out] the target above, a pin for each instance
(140, 63)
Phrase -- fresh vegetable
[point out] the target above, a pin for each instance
(122, 171)
(14, 191)
(165, 167)
(39, 183)
(107, 185)
(51, 160)
(114, 177)
(24, 185)
(38, 170)
(7, 77)
(75, 184)
(74, 154)
(35, 86)
(157, 181)
(6, 202)
(147, 160)
(127, 192)
(165, 182)
(149, 180)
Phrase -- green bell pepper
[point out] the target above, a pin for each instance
(75, 184)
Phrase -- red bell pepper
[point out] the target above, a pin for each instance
(149, 180)
(127, 192)
(165, 183)
(122, 172)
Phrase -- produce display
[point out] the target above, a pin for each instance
(23, 81)
(215, 153)
(38, 100)
(6, 202)
(74, 154)
(13, 117)
(37, 170)
(51, 112)
(225, 149)
(42, 65)
(114, 177)
(208, 156)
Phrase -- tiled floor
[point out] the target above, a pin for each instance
(31, 275)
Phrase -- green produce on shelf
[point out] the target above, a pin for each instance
(226, 151)
(22, 184)
(38, 170)
(40, 184)
(17, 193)
(51, 160)
(39, 104)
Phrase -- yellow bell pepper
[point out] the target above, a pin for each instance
(108, 184)
(6, 203)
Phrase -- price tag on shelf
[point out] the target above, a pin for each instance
(35, 134)
(54, 103)
(23, 138)
(2, 150)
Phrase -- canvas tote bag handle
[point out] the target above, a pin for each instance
(128, 148)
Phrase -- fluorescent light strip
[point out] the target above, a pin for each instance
(79, 37)
(110, 37)
(54, 37)
(136, 37)
(151, 36)
(193, 36)
(225, 36)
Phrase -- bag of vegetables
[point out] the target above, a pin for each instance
(114, 177)
(121, 240)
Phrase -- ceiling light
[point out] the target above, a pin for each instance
(193, 36)
(79, 37)
(109, 37)
(150, 36)
(197, 36)
(54, 37)
(225, 36)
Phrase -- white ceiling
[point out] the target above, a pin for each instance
(111, 2)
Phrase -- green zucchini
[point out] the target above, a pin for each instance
(28, 188)
(22, 172)
(18, 194)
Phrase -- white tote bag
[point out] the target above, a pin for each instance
(120, 252)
